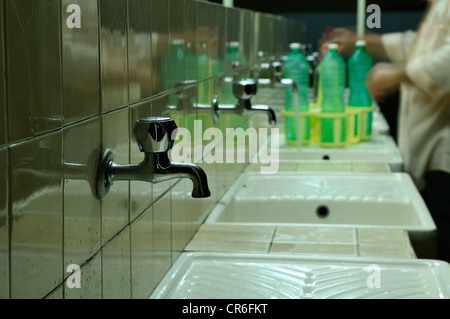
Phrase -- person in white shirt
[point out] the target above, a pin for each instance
(419, 66)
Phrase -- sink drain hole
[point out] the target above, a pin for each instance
(326, 157)
(322, 211)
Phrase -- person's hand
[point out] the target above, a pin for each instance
(344, 38)
(346, 41)
(384, 79)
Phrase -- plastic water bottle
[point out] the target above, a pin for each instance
(190, 63)
(232, 54)
(333, 81)
(296, 68)
(203, 75)
(176, 67)
(233, 60)
(359, 66)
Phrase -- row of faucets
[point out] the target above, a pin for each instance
(155, 136)
(243, 90)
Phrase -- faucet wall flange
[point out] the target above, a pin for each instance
(103, 177)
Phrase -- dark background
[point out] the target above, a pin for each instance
(396, 15)
(301, 6)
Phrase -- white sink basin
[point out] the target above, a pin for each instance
(264, 276)
(385, 200)
(380, 149)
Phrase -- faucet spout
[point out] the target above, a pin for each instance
(244, 90)
(165, 169)
(265, 109)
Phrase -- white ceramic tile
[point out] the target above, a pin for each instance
(211, 232)
(235, 245)
(384, 251)
(315, 234)
(390, 237)
(319, 249)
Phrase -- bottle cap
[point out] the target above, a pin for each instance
(177, 41)
(332, 46)
(295, 45)
(234, 44)
(360, 43)
(324, 49)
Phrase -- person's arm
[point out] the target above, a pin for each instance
(390, 46)
(385, 79)
(431, 72)
(397, 45)
(346, 39)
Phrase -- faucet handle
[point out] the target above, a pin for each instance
(155, 134)
(244, 89)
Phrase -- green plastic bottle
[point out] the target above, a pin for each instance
(232, 56)
(203, 75)
(204, 86)
(333, 81)
(232, 59)
(190, 63)
(177, 59)
(359, 66)
(296, 68)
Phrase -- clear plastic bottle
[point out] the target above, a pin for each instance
(359, 66)
(296, 68)
(333, 83)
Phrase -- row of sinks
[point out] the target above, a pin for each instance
(384, 200)
(380, 149)
(387, 200)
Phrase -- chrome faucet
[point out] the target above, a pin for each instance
(155, 137)
(275, 76)
(243, 90)
(186, 91)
